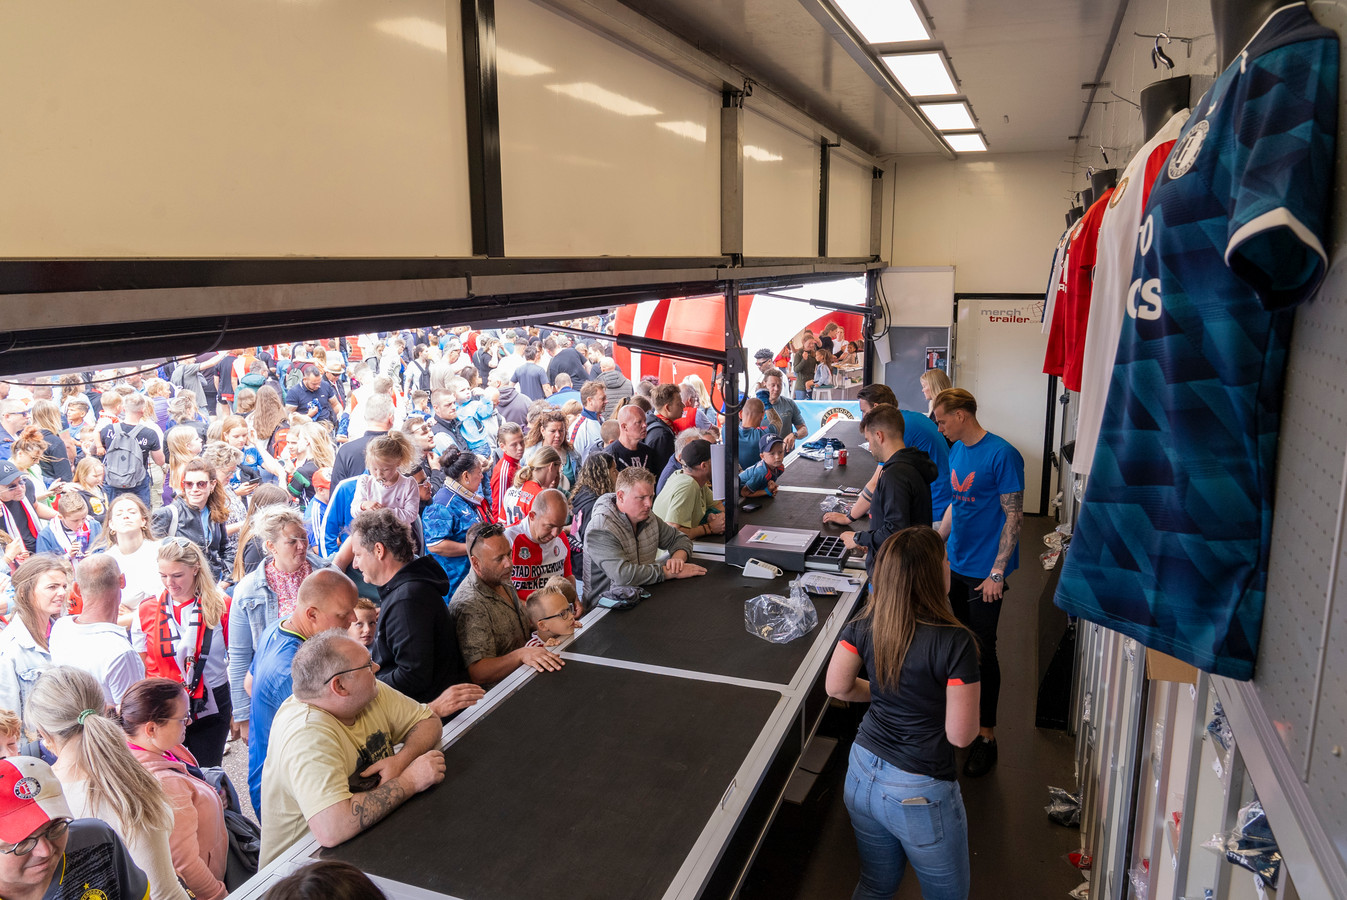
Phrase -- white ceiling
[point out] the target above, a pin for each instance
(1021, 59)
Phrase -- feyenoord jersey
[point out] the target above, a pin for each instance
(1112, 276)
(1050, 296)
(532, 565)
(1079, 277)
(1172, 544)
(1054, 359)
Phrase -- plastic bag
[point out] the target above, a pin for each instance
(781, 619)
(1082, 891)
(1219, 728)
(1140, 878)
(1063, 807)
(835, 504)
(1251, 845)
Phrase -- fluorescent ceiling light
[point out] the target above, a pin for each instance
(690, 130)
(966, 143)
(922, 74)
(517, 64)
(950, 116)
(885, 21)
(424, 32)
(761, 155)
(592, 93)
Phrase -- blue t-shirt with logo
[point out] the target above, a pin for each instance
(1172, 543)
(920, 432)
(979, 475)
(313, 404)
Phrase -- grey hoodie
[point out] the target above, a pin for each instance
(618, 389)
(616, 552)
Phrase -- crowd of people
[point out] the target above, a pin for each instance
(325, 550)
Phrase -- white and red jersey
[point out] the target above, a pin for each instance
(518, 501)
(1117, 249)
(532, 564)
(501, 479)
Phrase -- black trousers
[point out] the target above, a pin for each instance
(981, 618)
(206, 736)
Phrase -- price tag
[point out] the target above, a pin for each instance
(1259, 889)
(1192, 691)
(1218, 768)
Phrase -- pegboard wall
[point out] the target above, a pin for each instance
(1303, 617)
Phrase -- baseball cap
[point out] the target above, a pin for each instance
(695, 453)
(322, 479)
(9, 473)
(768, 441)
(30, 797)
(764, 353)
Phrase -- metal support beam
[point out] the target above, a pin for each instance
(732, 174)
(824, 167)
(868, 328)
(877, 212)
(729, 435)
(483, 112)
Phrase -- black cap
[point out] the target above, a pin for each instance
(9, 473)
(695, 453)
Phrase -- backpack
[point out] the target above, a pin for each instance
(124, 463)
(176, 378)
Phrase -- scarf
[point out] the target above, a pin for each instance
(476, 501)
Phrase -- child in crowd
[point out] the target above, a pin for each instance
(473, 414)
(567, 588)
(552, 615)
(608, 431)
(421, 403)
(383, 484)
(366, 621)
(823, 383)
(760, 481)
(511, 438)
(11, 734)
(72, 531)
(317, 508)
(751, 432)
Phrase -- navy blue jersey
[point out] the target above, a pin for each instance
(1172, 543)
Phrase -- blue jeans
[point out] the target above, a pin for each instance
(932, 835)
(142, 491)
(800, 395)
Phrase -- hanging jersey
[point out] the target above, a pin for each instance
(1112, 275)
(1079, 279)
(533, 564)
(1054, 360)
(1050, 298)
(1172, 544)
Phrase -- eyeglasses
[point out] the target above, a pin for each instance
(486, 531)
(200, 485)
(369, 665)
(566, 613)
(52, 832)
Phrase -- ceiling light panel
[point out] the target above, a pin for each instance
(922, 74)
(885, 21)
(966, 143)
(949, 116)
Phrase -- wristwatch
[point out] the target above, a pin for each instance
(996, 577)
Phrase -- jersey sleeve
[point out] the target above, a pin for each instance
(1285, 129)
(961, 659)
(1009, 471)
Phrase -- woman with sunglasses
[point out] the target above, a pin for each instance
(201, 514)
(923, 694)
(101, 778)
(154, 719)
(180, 636)
(457, 507)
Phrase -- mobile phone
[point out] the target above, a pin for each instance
(751, 507)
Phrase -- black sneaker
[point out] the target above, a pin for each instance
(981, 757)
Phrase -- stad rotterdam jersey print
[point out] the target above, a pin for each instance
(534, 564)
(1172, 543)
(1112, 276)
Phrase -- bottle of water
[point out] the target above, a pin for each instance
(829, 458)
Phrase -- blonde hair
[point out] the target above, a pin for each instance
(181, 550)
(319, 440)
(543, 458)
(560, 584)
(936, 380)
(695, 381)
(179, 440)
(68, 704)
(955, 400)
(393, 447)
(9, 723)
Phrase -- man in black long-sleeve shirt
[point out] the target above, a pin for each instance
(903, 494)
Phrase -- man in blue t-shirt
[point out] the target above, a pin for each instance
(982, 532)
(326, 599)
(1173, 540)
(314, 396)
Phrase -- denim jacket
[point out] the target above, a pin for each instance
(21, 662)
(254, 608)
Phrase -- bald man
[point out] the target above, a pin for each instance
(630, 449)
(326, 599)
(92, 640)
(538, 550)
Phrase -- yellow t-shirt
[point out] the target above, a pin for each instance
(311, 756)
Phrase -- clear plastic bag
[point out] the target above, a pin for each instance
(781, 619)
(1219, 728)
(1140, 878)
(1251, 845)
(835, 504)
(1082, 891)
(1063, 807)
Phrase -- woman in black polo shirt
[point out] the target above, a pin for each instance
(923, 693)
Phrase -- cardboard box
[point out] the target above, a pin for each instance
(1163, 667)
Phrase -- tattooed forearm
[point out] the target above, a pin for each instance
(1013, 506)
(371, 806)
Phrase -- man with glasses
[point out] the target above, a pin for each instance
(45, 854)
(492, 624)
(331, 767)
(14, 417)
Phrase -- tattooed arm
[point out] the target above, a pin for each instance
(1013, 506)
(345, 819)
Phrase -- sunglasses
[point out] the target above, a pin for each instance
(486, 531)
(200, 485)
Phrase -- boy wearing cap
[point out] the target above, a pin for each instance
(46, 854)
(760, 481)
(686, 502)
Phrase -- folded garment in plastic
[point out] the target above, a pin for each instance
(781, 619)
